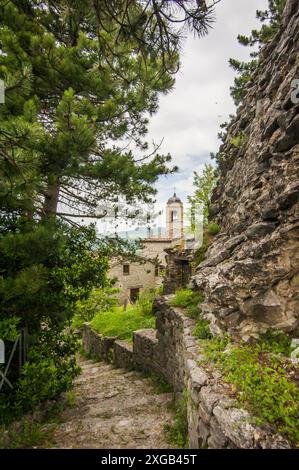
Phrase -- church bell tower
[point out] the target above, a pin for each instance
(174, 217)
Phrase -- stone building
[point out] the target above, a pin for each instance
(134, 277)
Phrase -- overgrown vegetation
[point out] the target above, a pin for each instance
(263, 378)
(202, 329)
(121, 323)
(29, 434)
(186, 298)
(177, 432)
(49, 371)
(190, 301)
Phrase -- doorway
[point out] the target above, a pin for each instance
(134, 294)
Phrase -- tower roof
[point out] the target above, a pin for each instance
(174, 199)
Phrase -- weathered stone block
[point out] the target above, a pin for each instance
(123, 355)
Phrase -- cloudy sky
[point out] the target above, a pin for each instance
(189, 117)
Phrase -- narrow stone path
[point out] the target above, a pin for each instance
(114, 409)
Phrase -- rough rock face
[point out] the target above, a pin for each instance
(251, 272)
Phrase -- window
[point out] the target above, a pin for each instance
(126, 269)
(156, 271)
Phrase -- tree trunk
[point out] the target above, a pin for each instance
(51, 198)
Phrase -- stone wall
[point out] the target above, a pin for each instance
(251, 273)
(97, 346)
(123, 355)
(214, 419)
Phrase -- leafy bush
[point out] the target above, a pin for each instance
(214, 347)
(8, 328)
(275, 342)
(262, 380)
(145, 301)
(193, 311)
(202, 330)
(213, 229)
(186, 298)
(99, 300)
(239, 140)
(46, 268)
(49, 370)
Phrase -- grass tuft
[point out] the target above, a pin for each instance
(186, 298)
(121, 323)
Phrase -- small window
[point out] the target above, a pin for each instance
(126, 269)
(174, 216)
(156, 271)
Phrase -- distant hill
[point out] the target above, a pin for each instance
(141, 232)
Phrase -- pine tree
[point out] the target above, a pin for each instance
(95, 72)
(79, 75)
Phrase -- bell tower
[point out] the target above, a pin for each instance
(174, 217)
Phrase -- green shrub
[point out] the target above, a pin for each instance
(122, 323)
(8, 328)
(145, 302)
(213, 229)
(214, 347)
(275, 342)
(49, 370)
(202, 330)
(239, 140)
(186, 298)
(262, 380)
(193, 311)
(99, 300)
